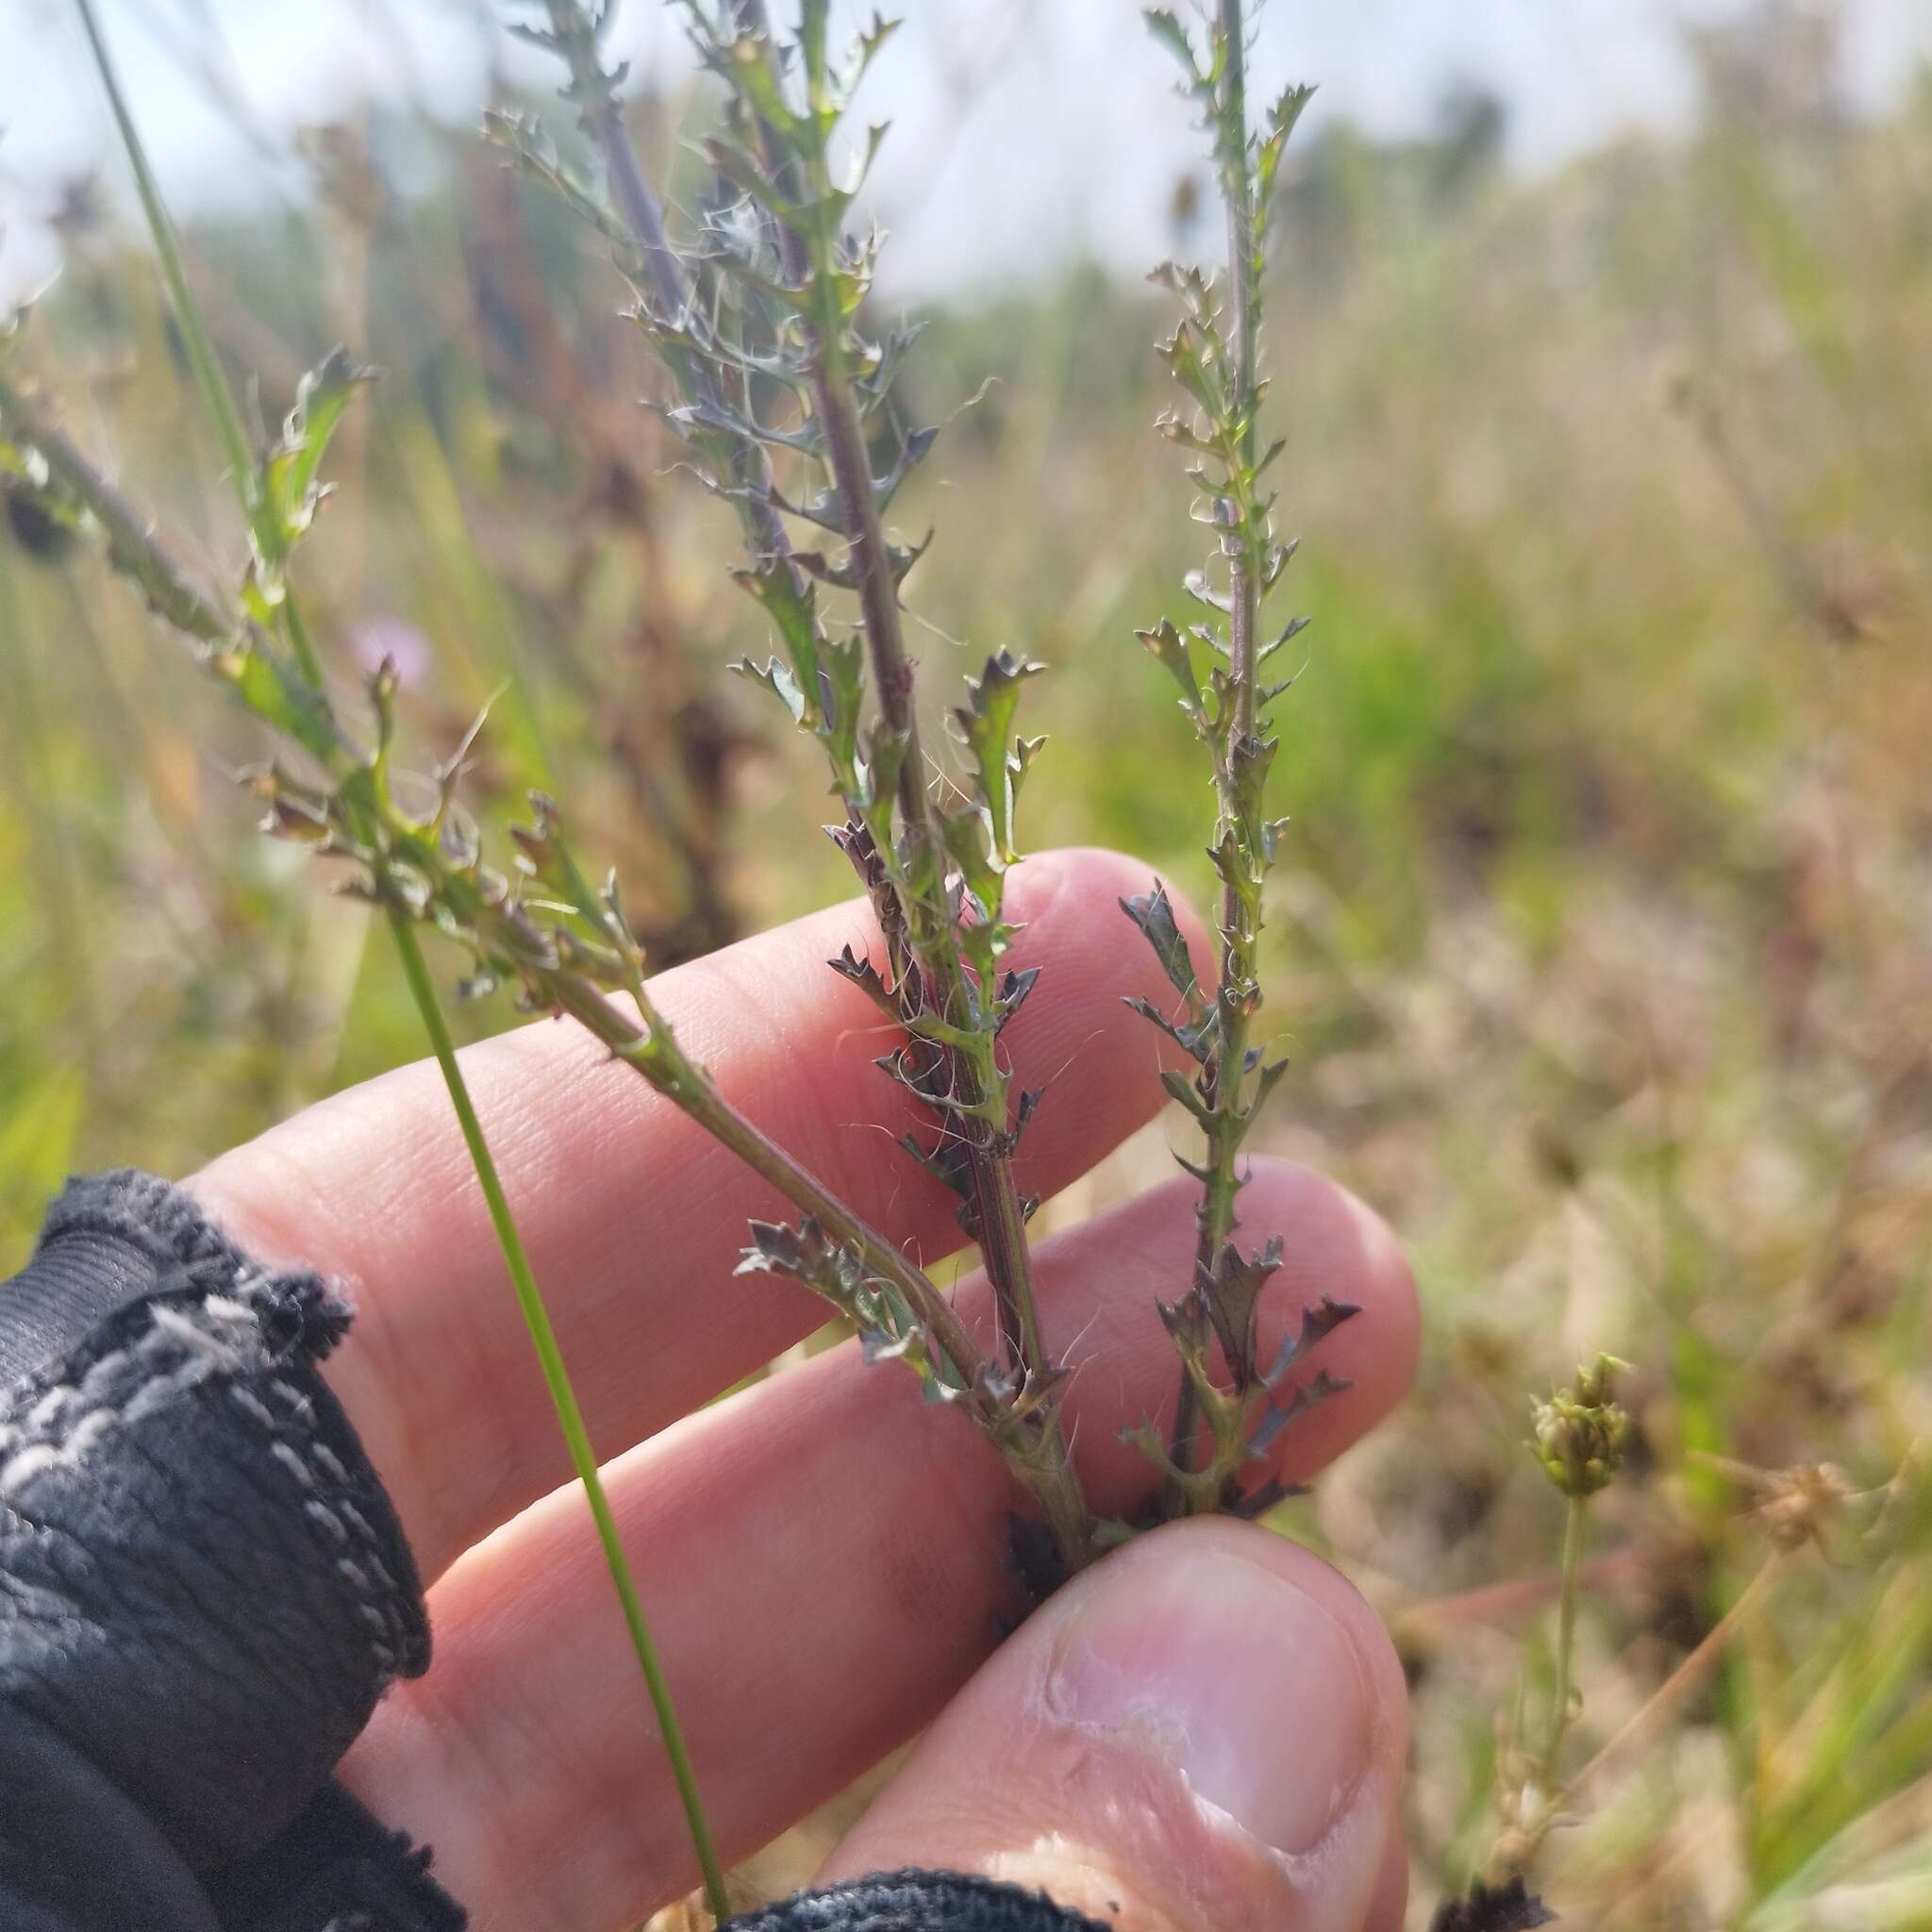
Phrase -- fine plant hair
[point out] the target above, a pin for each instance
(788, 408)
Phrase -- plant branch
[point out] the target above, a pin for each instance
(650, 1048)
(998, 1208)
(169, 588)
(1000, 1217)
(574, 40)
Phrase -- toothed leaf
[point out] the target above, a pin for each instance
(1231, 1292)
(1153, 912)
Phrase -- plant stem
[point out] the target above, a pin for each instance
(996, 1200)
(1243, 316)
(1566, 1631)
(202, 358)
(130, 536)
(563, 1398)
(604, 118)
(1215, 1214)
(691, 1090)
(917, 876)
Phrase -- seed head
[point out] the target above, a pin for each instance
(1577, 1435)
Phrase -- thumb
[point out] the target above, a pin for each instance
(1207, 1729)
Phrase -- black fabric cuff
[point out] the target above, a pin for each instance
(916, 1902)
(204, 1589)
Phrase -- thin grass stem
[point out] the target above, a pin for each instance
(216, 392)
(1566, 1628)
(564, 1399)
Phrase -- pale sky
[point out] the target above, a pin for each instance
(1026, 131)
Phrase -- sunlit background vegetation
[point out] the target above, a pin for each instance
(1603, 946)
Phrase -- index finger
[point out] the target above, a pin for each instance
(633, 1216)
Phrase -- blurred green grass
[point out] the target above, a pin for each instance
(1602, 947)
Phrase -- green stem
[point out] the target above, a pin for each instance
(201, 353)
(569, 1416)
(1243, 319)
(1566, 1633)
(1001, 1220)
(1000, 1217)
(130, 539)
(1216, 1213)
(576, 42)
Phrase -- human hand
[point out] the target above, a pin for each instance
(1206, 1731)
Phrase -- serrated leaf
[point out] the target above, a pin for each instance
(1165, 26)
(778, 681)
(1249, 760)
(948, 1160)
(1231, 1292)
(879, 362)
(1279, 1416)
(1148, 1440)
(967, 839)
(1153, 912)
(985, 724)
(870, 42)
(1014, 988)
(868, 979)
(1196, 585)
(841, 693)
(1280, 125)
(792, 607)
(1194, 1037)
(1182, 1089)
(1271, 1076)
(1164, 641)
(912, 452)
(1188, 361)
(1292, 630)
(1318, 1324)
(879, 780)
(289, 481)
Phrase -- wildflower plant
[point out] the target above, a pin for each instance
(785, 400)
(1214, 357)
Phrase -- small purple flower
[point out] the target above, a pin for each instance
(396, 639)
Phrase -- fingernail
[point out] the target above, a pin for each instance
(1239, 1683)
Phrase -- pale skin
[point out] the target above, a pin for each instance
(1206, 1730)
